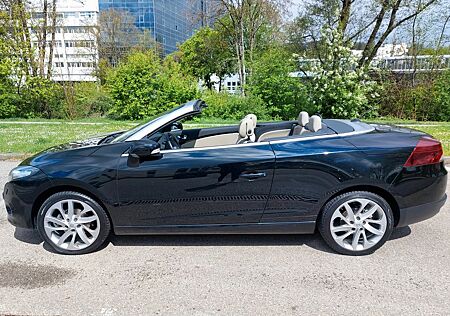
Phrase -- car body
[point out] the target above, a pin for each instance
(161, 179)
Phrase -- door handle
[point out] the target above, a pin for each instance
(253, 176)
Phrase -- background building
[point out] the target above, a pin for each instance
(75, 53)
(169, 22)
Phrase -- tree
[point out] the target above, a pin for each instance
(117, 35)
(340, 89)
(283, 95)
(206, 53)
(371, 22)
(243, 20)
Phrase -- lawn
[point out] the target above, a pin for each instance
(25, 137)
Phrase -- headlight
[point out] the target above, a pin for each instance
(22, 172)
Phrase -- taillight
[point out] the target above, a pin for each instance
(428, 151)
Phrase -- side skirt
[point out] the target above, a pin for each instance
(249, 228)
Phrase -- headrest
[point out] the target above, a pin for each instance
(246, 127)
(253, 118)
(315, 123)
(303, 118)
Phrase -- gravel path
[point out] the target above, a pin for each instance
(228, 275)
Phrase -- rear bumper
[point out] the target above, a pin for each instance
(420, 213)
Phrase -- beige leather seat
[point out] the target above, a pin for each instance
(303, 120)
(253, 118)
(246, 131)
(314, 124)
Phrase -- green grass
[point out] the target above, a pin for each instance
(29, 136)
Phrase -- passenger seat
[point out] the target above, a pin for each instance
(246, 131)
(314, 124)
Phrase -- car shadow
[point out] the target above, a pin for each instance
(314, 241)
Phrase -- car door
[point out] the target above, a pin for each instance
(196, 186)
(307, 172)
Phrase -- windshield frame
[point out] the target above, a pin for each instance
(141, 131)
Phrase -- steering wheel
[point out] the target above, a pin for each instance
(169, 140)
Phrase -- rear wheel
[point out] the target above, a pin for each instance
(356, 223)
(73, 223)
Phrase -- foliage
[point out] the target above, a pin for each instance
(442, 88)
(86, 99)
(339, 88)
(232, 107)
(283, 95)
(41, 98)
(142, 86)
(428, 100)
(206, 53)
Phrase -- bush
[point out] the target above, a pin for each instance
(8, 99)
(284, 96)
(86, 99)
(233, 107)
(41, 98)
(142, 86)
(442, 89)
(428, 100)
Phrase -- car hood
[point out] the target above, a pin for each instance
(82, 147)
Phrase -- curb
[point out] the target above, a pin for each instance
(13, 156)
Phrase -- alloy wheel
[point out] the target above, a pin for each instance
(71, 224)
(358, 224)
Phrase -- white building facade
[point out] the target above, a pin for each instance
(75, 50)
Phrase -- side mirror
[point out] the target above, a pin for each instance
(145, 149)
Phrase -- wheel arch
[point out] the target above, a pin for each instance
(368, 188)
(43, 196)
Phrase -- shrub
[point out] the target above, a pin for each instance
(41, 98)
(86, 99)
(428, 100)
(142, 86)
(442, 88)
(283, 95)
(233, 107)
(8, 99)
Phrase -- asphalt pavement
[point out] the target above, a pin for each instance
(226, 275)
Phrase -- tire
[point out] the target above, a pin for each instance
(73, 223)
(361, 233)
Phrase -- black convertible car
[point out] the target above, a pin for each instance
(353, 182)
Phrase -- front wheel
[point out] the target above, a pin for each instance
(73, 223)
(356, 223)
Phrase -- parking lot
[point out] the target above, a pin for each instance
(229, 275)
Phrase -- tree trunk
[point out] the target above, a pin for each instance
(52, 43)
(344, 16)
(43, 40)
(29, 54)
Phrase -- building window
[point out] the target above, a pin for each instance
(70, 14)
(87, 14)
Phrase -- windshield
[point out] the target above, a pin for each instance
(140, 127)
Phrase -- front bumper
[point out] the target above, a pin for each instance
(19, 197)
(420, 213)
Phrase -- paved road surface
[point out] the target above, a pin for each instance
(228, 275)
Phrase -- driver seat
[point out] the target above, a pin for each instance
(300, 127)
(246, 131)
